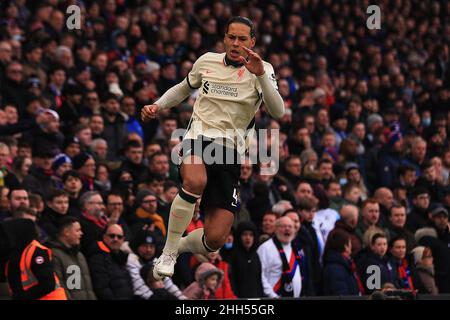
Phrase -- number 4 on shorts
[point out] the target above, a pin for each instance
(234, 204)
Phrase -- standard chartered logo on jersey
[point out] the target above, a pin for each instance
(219, 89)
(257, 146)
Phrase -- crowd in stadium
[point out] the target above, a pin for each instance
(364, 156)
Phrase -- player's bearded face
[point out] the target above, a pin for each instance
(238, 35)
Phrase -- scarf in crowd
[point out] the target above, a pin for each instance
(88, 184)
(156, 218)
(284, 287)
(404, 273)
(99, 222)
(58, 98)
(357, 278)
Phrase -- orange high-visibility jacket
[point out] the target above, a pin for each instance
(29, 280)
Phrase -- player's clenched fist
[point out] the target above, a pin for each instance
(149, 111)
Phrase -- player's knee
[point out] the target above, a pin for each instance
(194, 185)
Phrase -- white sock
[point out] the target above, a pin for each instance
(181, 213)
(194, 242)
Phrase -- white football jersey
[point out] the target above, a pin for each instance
(227, 101)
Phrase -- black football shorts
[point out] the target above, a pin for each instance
(222, 171)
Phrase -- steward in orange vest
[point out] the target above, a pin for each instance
(29, 271)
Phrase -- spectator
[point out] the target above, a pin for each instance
(13, 88)
(47, 133)
(396, 226)
(407, 177)
(390, 159)
(21, 167)
(145, 247)
(18, 198)
(4, 202)
(54, 89)
(303, 242)
(245, 263)
(247, 181)
(115, 127)
(57, 208)
(170, 190)
(312, 237)
(93, 219)
(99, 149)
(72, 186)
(370, 217)
(347, 224)
(102, 177)
(29, 257)
(157, 286)
(85, 164)
(61, 163)
(281, 207)
(293, 170)
(404, 274)
(353, 175)
(418, 154)
(436, 237)
(128, 107)
(146, 213)
(36, 203)
(423, 258)
(114, 212)
(325, 170)
(352, 194)
(340, 274)
(67, 257)
(376, 256)
(40, 178)
(97, 126)
(325, 217)
(83, 133)
(224, 290)
(385, 199)
(159, 164)
(429, 180)
(33, 66)
(277, 282)
(334, 193)
(267, 226)
(133, 161)
(108, 266)
(7, 178)
(71, 147)
(207, 279)
(418, 217)
(303, 190)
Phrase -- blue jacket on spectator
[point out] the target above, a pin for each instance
(133, 125)
(388, 164)
(338, 275)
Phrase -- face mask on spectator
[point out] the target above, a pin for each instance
(228, 245)
(426, 122)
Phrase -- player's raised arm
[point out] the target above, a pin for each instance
(271, 97)
(169, 99)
